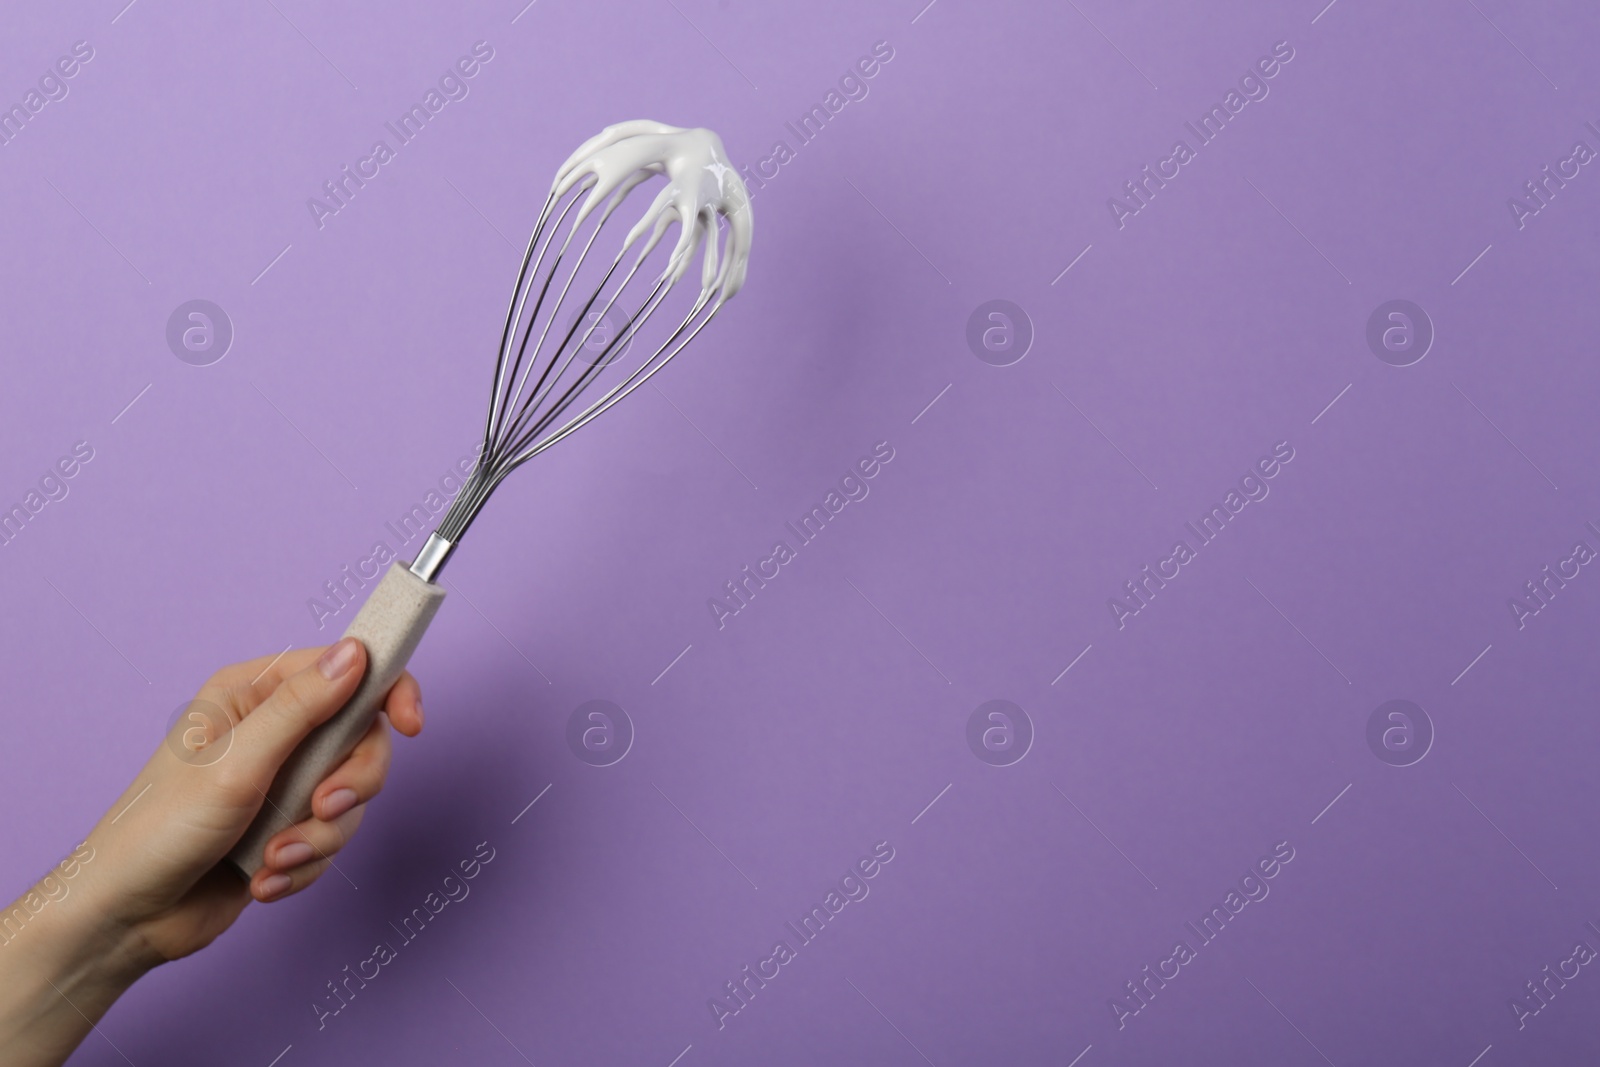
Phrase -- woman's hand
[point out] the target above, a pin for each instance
(148, 885)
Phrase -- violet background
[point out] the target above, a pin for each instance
(1195, 338)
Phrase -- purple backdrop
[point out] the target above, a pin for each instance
(1188, 322)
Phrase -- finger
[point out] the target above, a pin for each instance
(242, 687)
(359, 778)
(404, 706)
(264, 682)
(309, 843)
(265, 671)
(269, 885)
(305, 700)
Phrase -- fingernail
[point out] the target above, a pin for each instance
(273, 885)
(419, 713)
(338, 659)
(294, 854)
(338, 802)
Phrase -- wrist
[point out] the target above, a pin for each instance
(64, 960)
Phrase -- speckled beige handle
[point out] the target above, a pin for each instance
(390, 624)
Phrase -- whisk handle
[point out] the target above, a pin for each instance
(390, 624)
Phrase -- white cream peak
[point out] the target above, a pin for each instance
(702, 187)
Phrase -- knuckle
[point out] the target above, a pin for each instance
(235, 700)
(233, 779)
(331, 838)
(382, 754)
(298, 694)
(306, 876)
(348, 823)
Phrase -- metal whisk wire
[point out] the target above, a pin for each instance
(520, 420)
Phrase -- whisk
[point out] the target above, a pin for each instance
(549, 357)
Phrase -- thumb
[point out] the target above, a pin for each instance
(302, 702)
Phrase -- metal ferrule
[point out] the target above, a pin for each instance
(431, 560)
